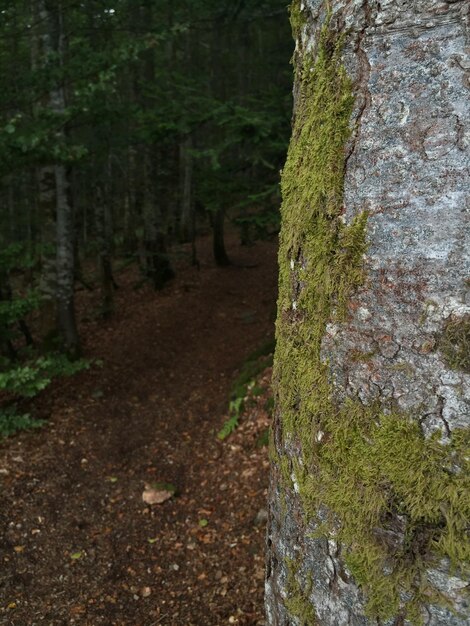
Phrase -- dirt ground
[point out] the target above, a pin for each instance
(77, 543)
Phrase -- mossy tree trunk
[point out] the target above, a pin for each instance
(369, 498)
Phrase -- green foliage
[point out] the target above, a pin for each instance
(259, 225)
(396, 501)
(14, 306)
(11, 422)
(27, 380)
(245, 383)
(235, 409)
(11, 311)
(257, 361)
(241, 168)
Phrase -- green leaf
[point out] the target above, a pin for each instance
(203, 523)
(227, 429)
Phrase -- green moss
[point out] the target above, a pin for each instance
(455, 343)
(297, 18)
(361, 357)
(399, 502)
(405, 368)
(298, 602)
(396, 500)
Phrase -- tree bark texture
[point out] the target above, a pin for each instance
(57, 281)
(369, 502)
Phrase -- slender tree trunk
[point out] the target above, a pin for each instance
(64, 210)
(7, 348)
(369, 490)
(220, 252)
(48, 277)
(65, 264)
(104, 255)
(186, 200)
(54, 199)
(158, 266)
(45, 190)
(131, 205)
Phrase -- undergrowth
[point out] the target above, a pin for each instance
(25, 381)
(11, 421)
(245, 384)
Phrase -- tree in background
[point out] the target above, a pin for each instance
(370, 482)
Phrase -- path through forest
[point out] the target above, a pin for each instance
(78, 544)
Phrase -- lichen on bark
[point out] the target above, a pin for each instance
(395, 500)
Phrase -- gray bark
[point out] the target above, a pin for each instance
(54, 196)
(407, 165)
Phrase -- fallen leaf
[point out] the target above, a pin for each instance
(77, 610)
(18, 549)
(156, 496)
(203, 523)
(153, 540)
(76, 555)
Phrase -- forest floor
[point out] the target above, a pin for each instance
(78, 544)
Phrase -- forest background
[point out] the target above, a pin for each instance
(126, 128)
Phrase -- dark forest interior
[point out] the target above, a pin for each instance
(140, 150)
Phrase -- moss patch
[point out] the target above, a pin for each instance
(298, 602)
(455, 343)
(396, 500)
(297, 18)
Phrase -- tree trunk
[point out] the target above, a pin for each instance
(218, 242)
(369, 488)
(104, 254)
(186, 200)
(48, 278)
(57, 278)
(65, 265)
